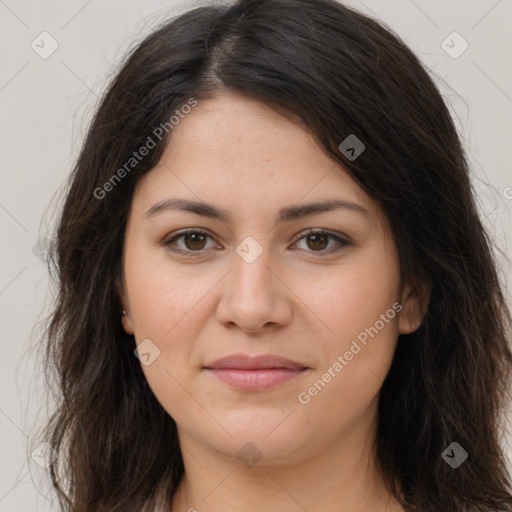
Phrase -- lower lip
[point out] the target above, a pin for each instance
(255, 380)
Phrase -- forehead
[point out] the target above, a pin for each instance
(231, 125)
(234, 150)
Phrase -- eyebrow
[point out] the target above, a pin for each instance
(287, 213)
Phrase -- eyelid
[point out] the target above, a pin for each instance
(167, 241)
(342, 240)
(322, 231)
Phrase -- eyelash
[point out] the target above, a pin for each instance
(167, 243)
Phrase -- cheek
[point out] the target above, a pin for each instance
(361, 323)
(166, 308)
(359, 305)
(354, 365)
(163, 296)
(353, 297)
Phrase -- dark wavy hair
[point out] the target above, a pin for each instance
(336, 72)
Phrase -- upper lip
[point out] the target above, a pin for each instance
(245, 362)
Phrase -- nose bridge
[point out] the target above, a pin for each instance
(251, 275)
(252, 297)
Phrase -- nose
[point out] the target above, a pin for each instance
(254, 297)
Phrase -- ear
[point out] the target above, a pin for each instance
(414, 301)
(126, 320)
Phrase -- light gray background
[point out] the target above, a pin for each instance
(46, 105)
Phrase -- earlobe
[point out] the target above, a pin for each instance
(127, 323)
(414, 306)
(126, 320)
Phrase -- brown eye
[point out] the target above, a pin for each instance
(323, 242)
(317, 241)
(194, 241)
(189, 242)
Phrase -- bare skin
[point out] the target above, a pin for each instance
(303, 297)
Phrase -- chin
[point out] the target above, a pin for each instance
(273, 437)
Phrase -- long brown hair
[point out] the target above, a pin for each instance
(338, 73)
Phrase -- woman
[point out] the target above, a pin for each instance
(275, 292)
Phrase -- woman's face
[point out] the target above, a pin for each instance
(253, 282)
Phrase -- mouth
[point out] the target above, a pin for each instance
(259, 373)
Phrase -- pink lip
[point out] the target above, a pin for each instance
(258, 373)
